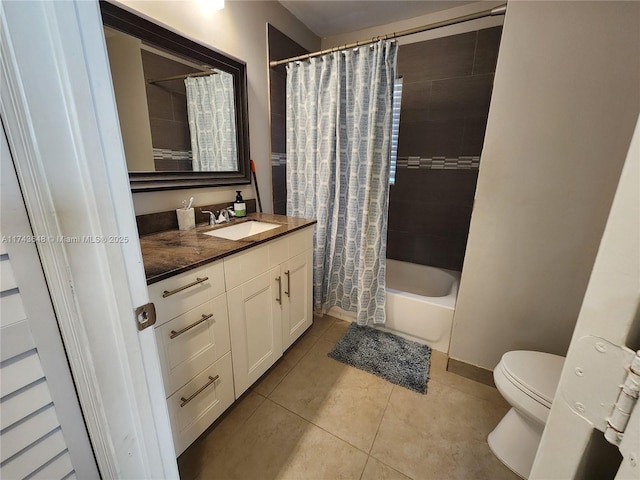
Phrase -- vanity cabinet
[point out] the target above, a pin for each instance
(269, 299)
(192, 334)
(221, 326)
(256, 328)
(297, 285)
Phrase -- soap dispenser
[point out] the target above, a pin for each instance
(239, 207)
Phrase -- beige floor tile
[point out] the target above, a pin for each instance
(439, 433)
(240, 413)
(345, 401)
(277, 444)
(321, 324)
(302, 346)
(335, 331)
(376, 470)
(193, 460)
(474, 459)
(319, 410)
(270, 380)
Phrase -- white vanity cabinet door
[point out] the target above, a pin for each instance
(192, 341)
(297, 278)
(198, 403)
(191, 289)
(255, 325)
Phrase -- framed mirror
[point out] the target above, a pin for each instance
(182, 106)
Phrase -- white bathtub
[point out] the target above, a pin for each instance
(420, 303)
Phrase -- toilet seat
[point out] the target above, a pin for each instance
(528, 382)
(534, 373)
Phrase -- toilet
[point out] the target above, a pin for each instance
(528, 381)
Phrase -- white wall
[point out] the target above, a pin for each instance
(127, 76)
(564, 105)
(470, 26)
(240, 30)
(610, 311)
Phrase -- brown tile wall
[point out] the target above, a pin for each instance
(167, 103)
(446, 95)
(280, 47)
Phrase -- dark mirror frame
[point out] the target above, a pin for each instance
(127, 22)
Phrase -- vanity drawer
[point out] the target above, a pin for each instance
(278, 251)
(289, 246)
(300, 241)
(192, 341)
(183, 292)
(194, 407)
(246, 265)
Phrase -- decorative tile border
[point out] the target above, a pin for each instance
(278, 159)
(440, 163)
(167, 154)
(464, 162)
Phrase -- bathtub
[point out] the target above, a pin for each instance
(420, 303)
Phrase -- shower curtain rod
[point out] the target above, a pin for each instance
(500, 10)
(183, 76)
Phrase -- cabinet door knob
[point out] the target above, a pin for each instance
(279, 297)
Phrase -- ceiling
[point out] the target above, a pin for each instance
(333, 17)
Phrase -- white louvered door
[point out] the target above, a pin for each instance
(42, 432)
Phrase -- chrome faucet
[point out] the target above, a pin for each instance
(212, 216)
(224, 216)
(220, 216)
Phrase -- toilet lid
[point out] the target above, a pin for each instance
(536, 373)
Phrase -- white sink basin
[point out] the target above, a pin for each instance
(242, 230)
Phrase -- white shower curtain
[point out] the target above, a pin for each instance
(212, 122)
(339, 111)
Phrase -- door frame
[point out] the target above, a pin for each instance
(40, 317)
(609, 313)
(59, 113)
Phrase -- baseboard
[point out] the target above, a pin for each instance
(472, 372)
(345, 315)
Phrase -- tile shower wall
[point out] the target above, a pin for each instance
(167, 103)
(447, 85)
(280, 47)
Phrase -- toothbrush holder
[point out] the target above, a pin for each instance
(186, 218)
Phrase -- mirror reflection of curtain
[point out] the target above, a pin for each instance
(211, 112)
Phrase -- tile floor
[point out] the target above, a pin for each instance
(311, 417)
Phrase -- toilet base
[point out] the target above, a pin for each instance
(515, 442)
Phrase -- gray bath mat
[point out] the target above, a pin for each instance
(389, 356)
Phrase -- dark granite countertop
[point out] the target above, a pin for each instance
(171, 252)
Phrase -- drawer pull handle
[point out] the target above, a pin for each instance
(279, 297)
(288, 290)
(195, 394)
(168, 293)
(204, 318)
